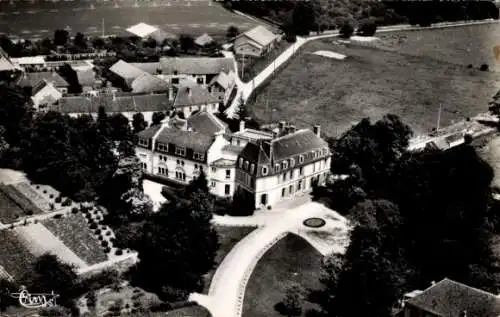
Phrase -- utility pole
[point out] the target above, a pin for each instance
(439, 118)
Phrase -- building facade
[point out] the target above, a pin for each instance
(255, 42)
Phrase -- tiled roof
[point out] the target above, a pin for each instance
(203, 39)
(206, 123)
(260, 35)
(196, 65)
(126, 70)
(195, 95)
(196, 141)
(149, 132)
(42, 84)
(225, 80)
(32, 79)
(86, 78)
(449, 298)
(223, 163)
(150, 68)
(296, 143)
(126, 103)
(148, 83)
(142, 29)
(233, 149)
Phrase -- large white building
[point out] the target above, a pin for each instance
(271, 167)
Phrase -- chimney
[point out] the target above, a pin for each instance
(281, 126)
(317, 130)
(292, 129)
(165, 122)
(170, 93)
(242, 125)
(189, 92)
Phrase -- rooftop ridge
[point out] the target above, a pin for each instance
(289, 135)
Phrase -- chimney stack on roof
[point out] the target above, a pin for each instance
(317, 130)
(291, 129)
(281, 126)
(242, 125)
(275, 132)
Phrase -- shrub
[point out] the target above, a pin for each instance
(74, 210)
(484, 67)
(67, 202)
(29, 212)
(45, 191)
(97, 231)
(107, 250)
(52, 206)
(35, 221)
(93, 225)
(469, 66)
(346, 29)
(58, 216)
(11, 226)
(51, 196)
(108, 233)
(290, 37)
(119, 252)
(269, 207)
(58, 200)
(367, 27)
(37, 186)
(127, 306)
(100, 238)
(104, 243)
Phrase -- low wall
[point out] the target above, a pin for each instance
(120, 264)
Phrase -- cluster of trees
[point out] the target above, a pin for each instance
(317, 15)
(418, 217)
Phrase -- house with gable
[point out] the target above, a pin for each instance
(222, 85)
(255, 42)
(448, 298)
(286, 166)
(33, 80)
(201, 70)
(45, 95)
(192, 98)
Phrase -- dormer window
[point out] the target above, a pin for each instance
(143, 142)
(301, 159)
(252, 168)
(180, 150)
(277, 167)
(246, 165)
(198, 156)
(162, 148)
(292, 162)
(285, 165)
(264, 170)
(241, 162)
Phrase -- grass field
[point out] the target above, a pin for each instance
(291, 260)
(42, 18)
(228, 237)
(371, 82)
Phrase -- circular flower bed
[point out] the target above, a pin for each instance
(314, 222)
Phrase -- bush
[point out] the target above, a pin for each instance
(100, 238)
(367, 27)
(107, 250)
(52, 206)
(108, 233)
(57, 216)
(45, 191)
(97, 231)
(93, 225)
(346, 30)
(37, 186)
(290, 37)
(29, 212)
(119, 252)
(469, 66)
(104, 243)
(51, 196)
(58, 199)
(74, 210)
(484, 67)
(67, 202)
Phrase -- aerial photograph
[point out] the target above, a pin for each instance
(238, 158)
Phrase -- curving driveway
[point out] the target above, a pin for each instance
(245, 89)
(227, 290)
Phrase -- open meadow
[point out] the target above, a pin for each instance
(371, 82)
(40, 19)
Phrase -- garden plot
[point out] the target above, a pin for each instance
(15, 258)
(40, 240)
(74, 233)
(26, 189)
(9, 211)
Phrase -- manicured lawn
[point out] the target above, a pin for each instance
(291, 260)
(14, 257)
(253, 65)
(9, 211)
(228, 238)
(371, 82)
(74, 232)
(28, 207)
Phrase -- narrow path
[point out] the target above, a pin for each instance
(245, 89)
(227, 289)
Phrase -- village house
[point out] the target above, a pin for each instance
(222, 85)
(115, 102)
(30, 63)
(200, 70)
(34, 79)
(255, 42)
(193, 98)
(448, 298)
(45, 95)
(87, 80)
(284, 167)
(145, 31)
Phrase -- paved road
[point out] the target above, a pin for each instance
(245, 89)
(227, 290)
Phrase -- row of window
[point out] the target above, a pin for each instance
(291, 174)
(227, 188)
(180, 175)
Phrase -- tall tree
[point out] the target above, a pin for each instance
(198, 184)
(241, 109)
(157, 118)
(119, 127)
(138, 122)
(232, 32)
(80, 41)
(61, 37)
(186, 42)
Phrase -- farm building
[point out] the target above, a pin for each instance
(255, 42)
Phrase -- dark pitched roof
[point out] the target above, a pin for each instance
(196, 141)
(254, 152)
(147, 83)
(260, 35)
(196, 65)
(296, 143)
(193, 95)
(125, 103)
(33, 79)
(149, 132)
(448, 298)
(206, 123)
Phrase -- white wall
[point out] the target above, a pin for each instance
(183, 78)
(218, 181)
(187, 111)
